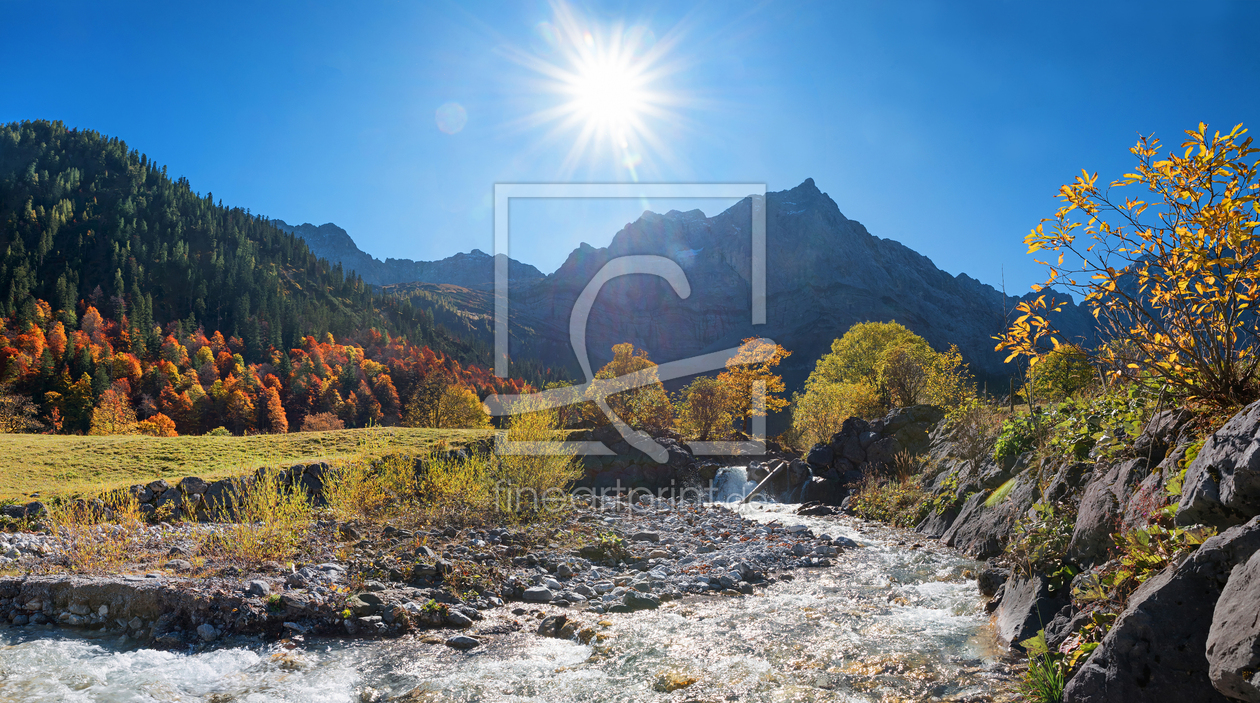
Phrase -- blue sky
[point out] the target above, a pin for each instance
(947, 126)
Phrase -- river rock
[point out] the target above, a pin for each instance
(463, 642)
(991, 579)
(1027, 606)
(1222, 485)
(1233, 644)
(258, 589)
(454, 618)
(1101, 506)
(207, 633)
(822, 490)
(537, 594)
(1156, 650)
(641, 601)
(192, 484)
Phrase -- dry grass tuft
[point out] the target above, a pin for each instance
(263, 519)
(98, 536)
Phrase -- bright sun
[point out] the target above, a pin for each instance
(609, 81)
(608, 96)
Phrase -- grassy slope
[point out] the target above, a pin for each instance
(58, 464)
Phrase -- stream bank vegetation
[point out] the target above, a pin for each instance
(1172, 274)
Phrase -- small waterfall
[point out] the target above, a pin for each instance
(732, 484)
(800, 494)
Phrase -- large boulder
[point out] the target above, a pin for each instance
(1233, 644)
(1156, 650)
(1101, 507)
(825, 491)
(1028, 605)
(1222, 485)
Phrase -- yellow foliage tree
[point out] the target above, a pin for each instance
(855, 357)
(753, 364)
(1061, 372)
(704, 410)
(1172, 274)
(113, 415)
(459, 407)
(643, 408)
(822, 409)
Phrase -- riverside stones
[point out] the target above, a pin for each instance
(1156, 648)
(463, 642)
(538, 594)
(1027, 606)
(1233, 644)
(1222, 484)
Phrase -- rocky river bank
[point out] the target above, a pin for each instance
(634, 556)
(886, 615)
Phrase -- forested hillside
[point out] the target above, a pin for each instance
(109, 267)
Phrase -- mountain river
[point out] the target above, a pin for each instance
(890, 621)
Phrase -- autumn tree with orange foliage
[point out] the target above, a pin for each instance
(1172, 275)
(273, 412)
(157, 426)
(753, 365)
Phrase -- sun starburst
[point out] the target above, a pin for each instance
(607, 90)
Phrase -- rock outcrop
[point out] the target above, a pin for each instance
(1156, 650)
(1101, 508)
(1028, 605)
(862, 446)
(1233, 644)
(1222, 485)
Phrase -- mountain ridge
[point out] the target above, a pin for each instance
(825, 272)
(474, 269)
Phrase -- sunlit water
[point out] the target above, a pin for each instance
(886, 623)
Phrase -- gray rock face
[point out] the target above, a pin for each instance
(824, 272)
(1101, 506)
(1160, 435)
(1156, 650)
(982, 532)
(1027, 606)
(1233, 644)
(991, 579)
(1222, 485)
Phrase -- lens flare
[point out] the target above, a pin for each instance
(451, 117)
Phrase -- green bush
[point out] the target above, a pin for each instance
(901, 502)
(1018, 435)
(1040, 540)
(1104, 424)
